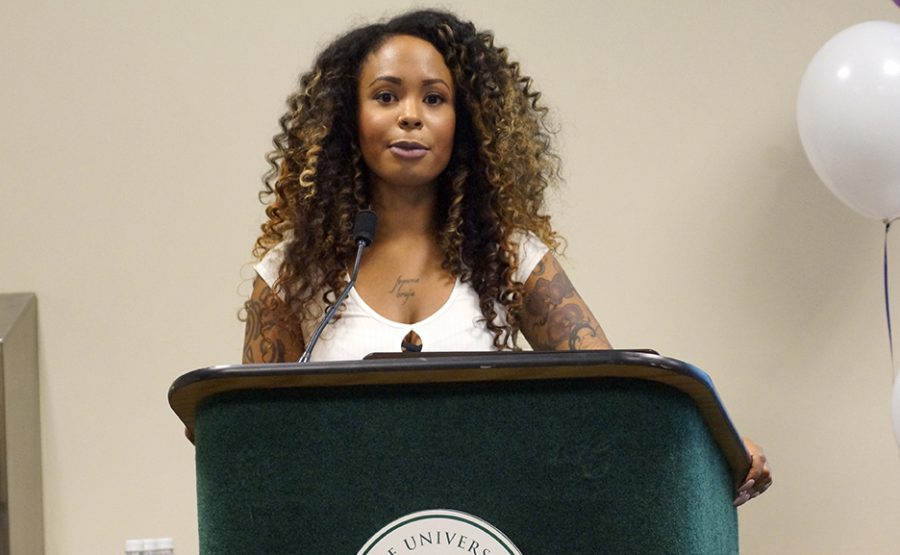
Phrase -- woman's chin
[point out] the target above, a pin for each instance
(407, 182)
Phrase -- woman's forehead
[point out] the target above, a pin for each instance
(405, 56)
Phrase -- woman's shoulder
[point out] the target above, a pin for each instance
(531, 251)
(269, 265)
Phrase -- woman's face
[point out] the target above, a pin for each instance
(406, 113)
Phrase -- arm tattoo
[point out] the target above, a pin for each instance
(557, 320)
(563, 321)
(547, 296)
(261, 340)
(575, 337)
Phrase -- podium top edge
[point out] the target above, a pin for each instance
(191, 388)
(400, 364)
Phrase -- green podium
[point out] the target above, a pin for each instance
(578, 453)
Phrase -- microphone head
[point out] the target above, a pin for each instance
(364, 227)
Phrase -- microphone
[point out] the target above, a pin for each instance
(364, 234)
(364, 227)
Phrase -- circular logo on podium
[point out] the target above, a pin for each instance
(439, 532)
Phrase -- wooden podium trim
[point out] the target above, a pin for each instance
(191, 388)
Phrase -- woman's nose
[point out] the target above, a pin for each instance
(410, 122)
(409, 117)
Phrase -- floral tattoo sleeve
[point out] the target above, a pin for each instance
(555, 317)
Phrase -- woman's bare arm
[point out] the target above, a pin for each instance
(555, 317)
(265, 339)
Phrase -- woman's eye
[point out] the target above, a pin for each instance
(384, 97)
(434, 99)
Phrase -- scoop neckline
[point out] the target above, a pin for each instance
(373, 313)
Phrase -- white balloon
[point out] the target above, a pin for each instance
(848, 115)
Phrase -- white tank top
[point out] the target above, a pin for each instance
(453, 327)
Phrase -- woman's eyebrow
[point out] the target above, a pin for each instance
(427, 82)
(398, 81)
(388, 78)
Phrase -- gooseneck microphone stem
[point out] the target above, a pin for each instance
(330, 314)
(364, 232)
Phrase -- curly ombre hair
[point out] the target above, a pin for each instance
(492, 189)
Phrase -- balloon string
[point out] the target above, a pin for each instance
(887, 295)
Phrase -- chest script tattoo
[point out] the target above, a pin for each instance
(403, 288)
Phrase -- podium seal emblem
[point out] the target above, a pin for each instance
(439, 532)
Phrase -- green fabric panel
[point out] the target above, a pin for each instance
(578, 466)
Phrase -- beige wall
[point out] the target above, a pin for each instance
(130, 155)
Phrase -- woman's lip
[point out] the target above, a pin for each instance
(408, 144)
(408, 150)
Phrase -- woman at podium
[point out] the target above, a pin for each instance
(428, 123)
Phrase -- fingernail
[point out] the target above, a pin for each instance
(747, 485)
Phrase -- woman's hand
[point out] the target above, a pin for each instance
(758, 479)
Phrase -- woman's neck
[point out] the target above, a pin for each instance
(404, 213)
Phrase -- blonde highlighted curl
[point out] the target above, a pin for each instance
(492, 188)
